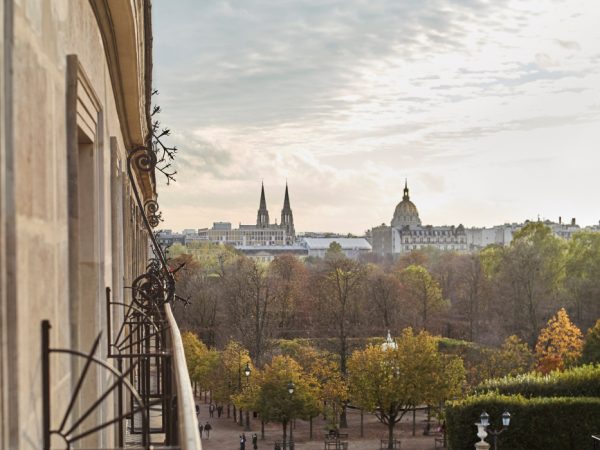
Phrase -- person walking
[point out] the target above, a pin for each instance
(254, 441)
(211, 410)
(207, 429)
(219, 411)
(200, 429)
(243, 442)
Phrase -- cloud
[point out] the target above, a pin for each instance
(346, 97)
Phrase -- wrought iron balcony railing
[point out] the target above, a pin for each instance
(149, 384)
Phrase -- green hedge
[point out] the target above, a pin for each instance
(581, 381)
(552, 423)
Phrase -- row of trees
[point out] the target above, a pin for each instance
(388, 381)
(482, 297)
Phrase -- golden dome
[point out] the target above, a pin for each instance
(406, 212)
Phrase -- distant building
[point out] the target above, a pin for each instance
(478, 238)
(406, 233)
(262, 234)
(267, 253)
(351, 247)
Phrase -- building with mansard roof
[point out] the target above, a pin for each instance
(406, 233)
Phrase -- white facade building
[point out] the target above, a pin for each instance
(406, 233)
(351, 247)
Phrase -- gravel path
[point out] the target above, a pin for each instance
(225, 433)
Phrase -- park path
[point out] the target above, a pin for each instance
(225, 433)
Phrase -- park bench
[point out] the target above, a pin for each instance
(395, 444)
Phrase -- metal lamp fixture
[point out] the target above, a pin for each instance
(484, 419)
(505, 419)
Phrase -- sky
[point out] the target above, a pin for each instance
(490, 110)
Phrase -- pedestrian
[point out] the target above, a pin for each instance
(207, 429)
(211, 410)
(219, 411)
(254, 441)
(242, 441)
(200, 428)
(197, 411)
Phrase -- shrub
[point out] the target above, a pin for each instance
(536, 423)
(581, 381)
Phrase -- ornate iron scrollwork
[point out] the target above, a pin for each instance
(70, 430)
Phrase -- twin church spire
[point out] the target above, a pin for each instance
(287, 217)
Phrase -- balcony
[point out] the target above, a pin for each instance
(140, 396)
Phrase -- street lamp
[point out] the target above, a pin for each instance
(247, 372)
(291, 388)
(484, 419)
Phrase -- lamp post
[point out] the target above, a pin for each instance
(291, 388)
(484, 419)
(247, 372)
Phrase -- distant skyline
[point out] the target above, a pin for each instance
(490, 109)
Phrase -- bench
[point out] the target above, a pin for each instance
(395, 444)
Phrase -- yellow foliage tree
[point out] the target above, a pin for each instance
(194, 350)
(559, 344)
(391, 381)
(268, 393)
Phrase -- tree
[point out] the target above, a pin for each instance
(249, 299)
(383, 289)
(472, 288)
(194, 350)
(513, 358)
(530, 273)
(583, 276)
(559, 344)
(389, 382)
(287, 275)
(270, 396)
(422, 291)
(229, 373)
(591, 346)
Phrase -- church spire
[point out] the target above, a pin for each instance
(287, 218)
(286, 199)
(405, 197)
(262, 218)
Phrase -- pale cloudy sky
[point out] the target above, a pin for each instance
(491, 109)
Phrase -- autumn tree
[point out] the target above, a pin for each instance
(472, 286)
(194, 350)
(513, 358)
(529, 274)
(559, 344)
(272, 399)
(228, 376)
(249, 300)
(383, 291)
(287, 275)
(337, 285)
(422, 291)
(199, 281)
(391, 381)
(582, 279)
(591, 346)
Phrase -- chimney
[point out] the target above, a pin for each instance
(559, 220)
(573, 221)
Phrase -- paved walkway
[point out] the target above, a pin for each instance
(225, 433)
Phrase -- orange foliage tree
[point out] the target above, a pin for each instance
(559, 344)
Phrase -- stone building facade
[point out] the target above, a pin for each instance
(406, 233)
(264, 233)
(75, 78)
